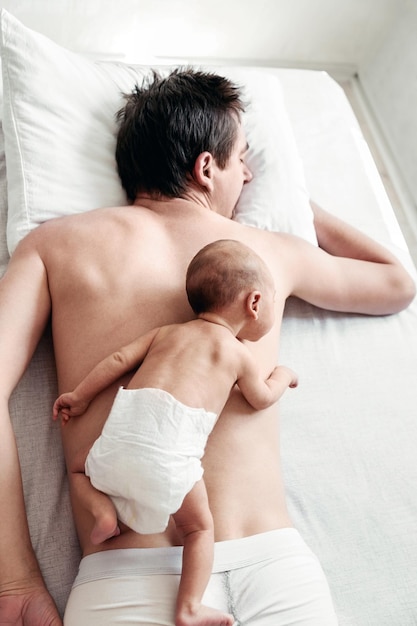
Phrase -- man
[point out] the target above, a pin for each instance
(112, 274)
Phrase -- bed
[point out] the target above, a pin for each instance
(349, 431)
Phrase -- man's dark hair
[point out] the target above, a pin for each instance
(167, 122)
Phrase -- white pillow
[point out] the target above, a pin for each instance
(59, 126)
(277, 197)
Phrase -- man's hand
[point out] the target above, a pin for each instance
(28, 607)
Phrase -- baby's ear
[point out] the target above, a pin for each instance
(252, 304)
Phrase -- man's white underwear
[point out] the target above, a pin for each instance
(270, 579)
(148, 456)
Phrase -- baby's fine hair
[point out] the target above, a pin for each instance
(167, 122)
(220, 271)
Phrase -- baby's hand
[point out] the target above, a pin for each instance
(283, 370)
(68, 406)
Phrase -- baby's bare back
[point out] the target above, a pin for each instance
(197, 362)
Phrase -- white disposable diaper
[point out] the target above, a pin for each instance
(148, 456)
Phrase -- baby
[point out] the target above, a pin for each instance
(148, 457)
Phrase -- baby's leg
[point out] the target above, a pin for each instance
(195, 524)
(97, 503)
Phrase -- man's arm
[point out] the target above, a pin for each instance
(24, 311)
(349, 271)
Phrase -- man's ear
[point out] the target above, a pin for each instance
(203, 170)
(252, 304)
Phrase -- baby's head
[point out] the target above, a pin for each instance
(225, 271)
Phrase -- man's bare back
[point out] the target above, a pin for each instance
(135, 298)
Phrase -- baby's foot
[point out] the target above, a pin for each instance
(105, 527)
(203, 616)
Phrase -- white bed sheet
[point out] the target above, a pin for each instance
(348, 431)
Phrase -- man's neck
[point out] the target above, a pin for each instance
(193, 200)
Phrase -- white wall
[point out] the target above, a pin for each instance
(310, 33)
(389, 80)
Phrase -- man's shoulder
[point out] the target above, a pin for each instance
(255, 232)
(65, 225)
(263, 241)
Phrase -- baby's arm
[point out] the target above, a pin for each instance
(110, 369)
(262, 393)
